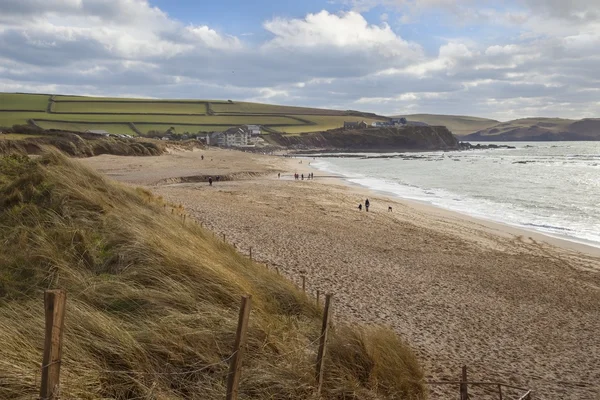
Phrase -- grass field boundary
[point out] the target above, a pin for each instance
(131, 113)
(50, 104)
(151, 123)
(134, 128)
(233, 114)
(35, 111)
(141, 101)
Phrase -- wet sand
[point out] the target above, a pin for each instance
(514, 306)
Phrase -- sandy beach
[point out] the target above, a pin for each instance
(514, 306)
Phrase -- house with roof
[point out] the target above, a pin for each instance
(398, 121)
(355, 125)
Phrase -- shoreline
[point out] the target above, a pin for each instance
(500, 227)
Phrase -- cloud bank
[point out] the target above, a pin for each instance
(545, 62)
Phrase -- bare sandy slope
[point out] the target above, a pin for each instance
(510, 306)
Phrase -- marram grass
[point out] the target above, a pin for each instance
(152, 302)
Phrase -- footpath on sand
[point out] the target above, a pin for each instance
(515, 306)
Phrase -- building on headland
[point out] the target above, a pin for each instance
(355, 125)
(392, 122)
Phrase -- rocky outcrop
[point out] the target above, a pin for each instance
(418, 138)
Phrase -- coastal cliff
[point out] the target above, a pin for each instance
(372, 139)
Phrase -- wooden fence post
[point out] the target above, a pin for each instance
(250, 253)
(303, 283)
(318, 294)
(277, 269)
(323, 344)
(500, 391)
(54, 306)
(223, 237)
(464, 391)
(235, 366)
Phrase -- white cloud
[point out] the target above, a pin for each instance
(348, 31)
(210, 38)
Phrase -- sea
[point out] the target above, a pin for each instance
(550, 187)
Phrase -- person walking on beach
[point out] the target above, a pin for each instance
(302, 176)
(359, 206)
(367, 204)
(210, 181)
(278, 175)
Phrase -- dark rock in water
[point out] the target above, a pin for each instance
(479, 146)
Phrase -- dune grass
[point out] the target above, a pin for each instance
(18, 136)
(153, 301)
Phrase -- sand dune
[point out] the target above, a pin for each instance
(514, 306)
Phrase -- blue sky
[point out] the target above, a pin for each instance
(502, 59)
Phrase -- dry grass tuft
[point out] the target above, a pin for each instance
(153, 302)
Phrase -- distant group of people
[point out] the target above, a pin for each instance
(301, 176)
(368, 204)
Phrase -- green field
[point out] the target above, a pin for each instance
(122, 99)
(10, 118)
(174, 119)
(249, 108)
(82, 127)
(129, 107)
(144, 128)
(12, 101)
(81, 113)
(322, 123)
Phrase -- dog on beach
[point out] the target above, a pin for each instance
(390, 208)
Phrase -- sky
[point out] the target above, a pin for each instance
(501, 59)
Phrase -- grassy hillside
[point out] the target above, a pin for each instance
(152, 302)
(540, 129)
(114, 114)
(458, 124)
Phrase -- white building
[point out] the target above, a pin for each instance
(253, 129)
(232, 137)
